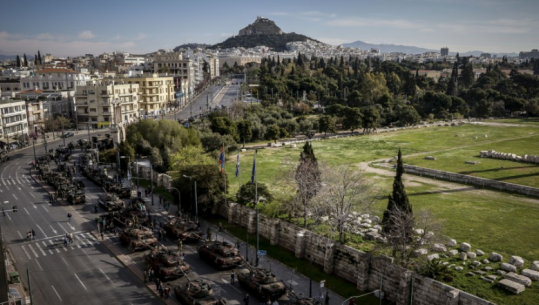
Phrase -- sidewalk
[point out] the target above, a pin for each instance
(17, 291)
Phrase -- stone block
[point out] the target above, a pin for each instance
(433, 256)
(516, 261)
(508, 267)
(453, 252)
(471, 254)
(511, 286)
(459, 268)
(501, 272)
(535, 265)
(495, 257)
(430, 158)
(465, 247)
(532, 274)
(463, 256)
(419, 231)
(476, 263)
(487, 268)
(470, 274)
(419, 252)
(439, 248)
(479, 253)
(521, 279)
(451, 243)
(485, 261)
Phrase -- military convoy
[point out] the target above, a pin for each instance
(138, 239)
(62, 180)
(196, 292)
(168, 265)
(261, 282)
(220, 254)
(182, 229)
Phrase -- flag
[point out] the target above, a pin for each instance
(222, 158)
(253, 175)
(238, 165)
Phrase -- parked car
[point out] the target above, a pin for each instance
(67, 135)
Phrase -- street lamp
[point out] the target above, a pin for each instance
(34, 146)
(196, 202)
(128, 163)
(179, 198)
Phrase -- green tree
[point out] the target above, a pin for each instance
(307, 178)
(18, 61)
(246, 193)
(371, 119)
(25, 60)
(408, 115)
(352, 119)
(223, 126)
(326, 124)
(273, 133)
(39, 58)
(398, 204)
(210, 187)
(245, 130)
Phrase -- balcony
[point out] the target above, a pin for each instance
(13, 123)
(6, 115)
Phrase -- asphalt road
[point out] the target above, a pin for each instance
(84, 272)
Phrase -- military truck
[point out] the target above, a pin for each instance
(220, 254)
(179, 228)
(261, 282)
(138, 239)
(110, 202)
(197, 292)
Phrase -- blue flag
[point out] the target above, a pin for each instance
(253, 175)
(238, 165)
(222, 158)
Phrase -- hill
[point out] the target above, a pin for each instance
(192, 46)
(389, 48)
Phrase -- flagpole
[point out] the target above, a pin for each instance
(256, 209)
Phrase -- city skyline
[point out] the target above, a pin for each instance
(67, 28)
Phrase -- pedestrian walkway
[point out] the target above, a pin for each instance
(54, 245)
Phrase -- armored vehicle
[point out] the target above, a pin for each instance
(168, 265)
(138, 239)
(261, 282)
(197, 292)
(220, 254)
(4, 156)
(296, 300)
(110, 202)
(185, 230)
(76, 196)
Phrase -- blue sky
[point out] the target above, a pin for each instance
(75, 27)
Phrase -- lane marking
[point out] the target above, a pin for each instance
(26, 211)
(65, 261)
(61, 226)
(46, 208)
(42, 231)
(32, 249)
(40, 249)
(39, 265)
(8, 183)
(48, 248)
(29, 258)
(56, 293)
(53, 230)
(15, 197)
(20, 235)
(32, 195)
(106, 276)
(80, 281)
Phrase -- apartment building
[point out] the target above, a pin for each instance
(180, 67)
(107, 104)
(156, 92)
(13, 121)
(54, 79)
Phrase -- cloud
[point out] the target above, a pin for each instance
(86, 35)
(280, 14)
(141, 36)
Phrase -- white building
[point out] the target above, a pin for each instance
(13, 121)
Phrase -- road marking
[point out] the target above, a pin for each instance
(32, 249)
(106, 276)
(8, 183)
(15, 197)
(82, 241)
(42, 231)
(45, 208)
(26, 211)
(80, 281)
(32, 195)
(53, 230)
(56, 293)
(26, 252)
(40, 249)
(53, 244)
(20, 234)
(65, 261)
(61, 226)
(45, 245)
(39, 265)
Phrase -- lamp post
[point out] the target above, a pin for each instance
(310, 275)
(196, 202)
(34, 146)
(63, 130)
(128, 163)
(179, 198)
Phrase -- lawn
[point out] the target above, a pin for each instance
(490, 221)
(529, 121)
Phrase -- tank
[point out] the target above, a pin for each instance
(296, 300)
(110, 202)
(181, 229)
(261, 282)
(168, 265)
(138, 239)
(76, 196)
(197, 292)
(220, 254)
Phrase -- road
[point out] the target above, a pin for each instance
(84, 272)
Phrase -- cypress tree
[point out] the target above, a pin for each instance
(307, 177)
(398, 200)
(18, 61)
(39, 57)
(35, 60)
(25, 60)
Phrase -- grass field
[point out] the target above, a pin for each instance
(530, 121)
(489, 221)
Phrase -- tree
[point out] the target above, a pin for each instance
(371, 119)
(273, 133)
(326, 124)
(39, 61)
(344, 189)
(408, 115)
(18, 61)
(223, 126)
(352, 119)
(246, 193)
(25, 60)
(245, 130)
(398, 206)
(307, 178)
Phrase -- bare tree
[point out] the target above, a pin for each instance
(410, 233)
(344, 189)
(307, 179)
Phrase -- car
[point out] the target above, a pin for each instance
(67, 135)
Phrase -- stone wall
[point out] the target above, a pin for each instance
(362, 269)
(481, 182)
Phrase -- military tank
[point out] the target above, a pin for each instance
(220, 254)
(187, 231)
(197, 292)
(76, 196)
(138, 239)
(110, 202)
(261, 282)
(168, 265)
(296, 300)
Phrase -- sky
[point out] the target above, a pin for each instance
(75, 27)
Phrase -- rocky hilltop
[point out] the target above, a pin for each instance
(261, 26)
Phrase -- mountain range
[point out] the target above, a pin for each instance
(390, 48)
